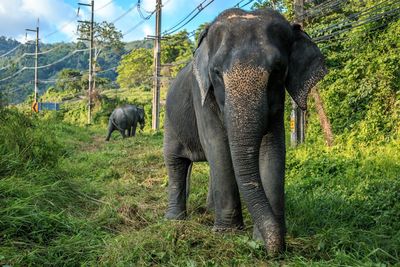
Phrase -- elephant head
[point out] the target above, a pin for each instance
(141, 120)
(243, 62)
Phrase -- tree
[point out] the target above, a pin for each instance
(176, 51)
(135, 69)
(70, 79)
(198, 31)
(283, 6)
(105, 35)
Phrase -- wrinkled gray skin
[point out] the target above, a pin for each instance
(125, 119)
(227, 107)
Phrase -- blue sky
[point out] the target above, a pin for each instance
(57, 18)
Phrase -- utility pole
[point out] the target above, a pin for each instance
(157, 66)
(36, 60)
(297, 117)
(91, 34)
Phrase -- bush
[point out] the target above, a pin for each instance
(24, 143)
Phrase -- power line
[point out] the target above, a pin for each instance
(103, 6)
(143, 19)
(44, 66)
(141, 14)
(359, 23)
(29, 54)
(74, 20)
(330, 42)
(13, 75)
(321, 8)
(12, 50)
(349, 19)
(238, 3)
(188, 19)
(125, 13)
(247, 3)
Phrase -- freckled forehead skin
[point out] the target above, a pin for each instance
(235, 14)
(242, 23)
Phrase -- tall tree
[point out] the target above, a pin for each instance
(135, 69)
(176, 51)
(70, 79)
(105, 35)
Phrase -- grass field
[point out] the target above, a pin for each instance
(69, 198)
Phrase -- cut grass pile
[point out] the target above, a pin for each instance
(67, 197)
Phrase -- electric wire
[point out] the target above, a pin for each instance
(29, 54)
(12, 50)
(143, 20)
(330, 42)
(44, 66)
(350, 26)
(105, 5)
(321, 8)
(124, 14)
(238, 4)
(188, 19)
(349, 18)
(242, 6)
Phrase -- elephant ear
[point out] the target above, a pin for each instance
(306, 67)
(141, 113)
(200, 66)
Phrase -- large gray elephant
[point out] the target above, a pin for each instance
(125, 119)
(227, 107)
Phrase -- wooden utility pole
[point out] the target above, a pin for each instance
(36, 61)
(91, 34)
(297, 118)
(157, 67)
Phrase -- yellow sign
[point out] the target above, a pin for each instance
(292, 124)
(35, 107)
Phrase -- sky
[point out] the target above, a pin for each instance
(58, 18)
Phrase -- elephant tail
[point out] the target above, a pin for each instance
(188, 175)
(116, 126)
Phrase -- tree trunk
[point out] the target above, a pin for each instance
(323, 118)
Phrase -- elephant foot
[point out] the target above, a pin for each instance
(257, 234)
(274, 239)
(175, 214)
(228, 220)
(230, 228)
(275, 244)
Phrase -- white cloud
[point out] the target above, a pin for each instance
(17, 15)
(57, 15)
(106, 11)
(147, 30)
(169, 6)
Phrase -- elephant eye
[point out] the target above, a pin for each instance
(218, 72)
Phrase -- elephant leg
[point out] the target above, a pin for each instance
(210, 198)
(178, 172)
(134, 129)
(224, 193)
(272, 172)
(129, 131)
(110, 130)
(122, 133)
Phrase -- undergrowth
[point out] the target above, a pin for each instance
(67, 197)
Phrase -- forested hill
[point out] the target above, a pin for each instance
(14, 56)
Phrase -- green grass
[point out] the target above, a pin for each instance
(67, 197)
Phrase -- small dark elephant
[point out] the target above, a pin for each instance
(227, 107)
(124, 119)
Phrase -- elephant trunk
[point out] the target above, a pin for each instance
(246, 113)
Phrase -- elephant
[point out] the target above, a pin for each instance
(124, 119)
(226, 106)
